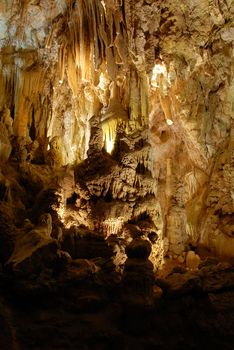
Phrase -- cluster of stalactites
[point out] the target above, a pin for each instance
(21, 86)
(93, 41)
(91, 35)
(91, 38)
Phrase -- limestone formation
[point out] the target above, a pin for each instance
(116, 113)
(192, 260)
(117, 121)
(34, 249)
(138, 277)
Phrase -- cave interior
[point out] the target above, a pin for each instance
(116, 174)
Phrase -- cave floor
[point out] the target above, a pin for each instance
(83, 311)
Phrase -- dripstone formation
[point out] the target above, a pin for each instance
(116, 174)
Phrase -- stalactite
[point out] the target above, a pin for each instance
(72, 74)
(109, 134)
(134, 98)
(62, 62)
(144, 88)
(22, 84)
(112, 226)
(29, 85)
(81, 41)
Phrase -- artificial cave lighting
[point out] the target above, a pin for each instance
(169, 122)
(158, 71)
(109, 128)
(109, 144)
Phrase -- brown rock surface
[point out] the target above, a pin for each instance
(159, 71)
(116, 118)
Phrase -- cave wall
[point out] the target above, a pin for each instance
(161, 67)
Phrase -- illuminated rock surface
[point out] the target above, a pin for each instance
(116, 123)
